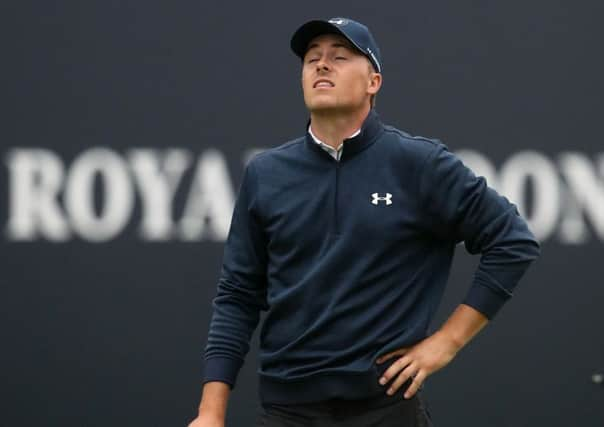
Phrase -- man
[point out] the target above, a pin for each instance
(345, 236)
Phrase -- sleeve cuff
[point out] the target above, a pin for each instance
(223, 369)
(484, 299)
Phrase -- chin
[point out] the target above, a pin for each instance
(324, 105)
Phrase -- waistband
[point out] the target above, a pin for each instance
(331, 389)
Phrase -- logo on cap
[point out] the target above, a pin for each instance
(338, 21)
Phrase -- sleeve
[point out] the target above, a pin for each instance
(241, 290)
(462, 207)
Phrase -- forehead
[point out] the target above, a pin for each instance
(330, 40)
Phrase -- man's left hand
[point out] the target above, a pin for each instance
(418, 362)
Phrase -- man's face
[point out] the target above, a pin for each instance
(336, 76)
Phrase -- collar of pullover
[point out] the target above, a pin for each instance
(371, 128)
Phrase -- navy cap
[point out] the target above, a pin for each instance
(357, 33)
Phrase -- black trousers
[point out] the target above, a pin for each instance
(380, 411)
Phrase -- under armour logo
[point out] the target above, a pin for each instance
(338, 21)
(377, 198)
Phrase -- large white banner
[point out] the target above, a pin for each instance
(562, 196)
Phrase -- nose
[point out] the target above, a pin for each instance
(322, 65)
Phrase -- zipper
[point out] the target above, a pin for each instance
(335, 201)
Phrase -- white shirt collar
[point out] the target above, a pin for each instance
(336, 153)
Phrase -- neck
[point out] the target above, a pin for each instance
(333, 127)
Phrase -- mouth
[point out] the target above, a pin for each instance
(323, 83)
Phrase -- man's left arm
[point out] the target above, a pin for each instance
(462, 207)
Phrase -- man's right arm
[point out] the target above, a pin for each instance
(212, 409)
(240, 296)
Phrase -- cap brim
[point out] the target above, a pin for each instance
(310, 30)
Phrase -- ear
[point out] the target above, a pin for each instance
(375, 83)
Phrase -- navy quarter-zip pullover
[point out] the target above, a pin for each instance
(350, 259)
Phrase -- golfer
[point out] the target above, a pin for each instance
(345, 238)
